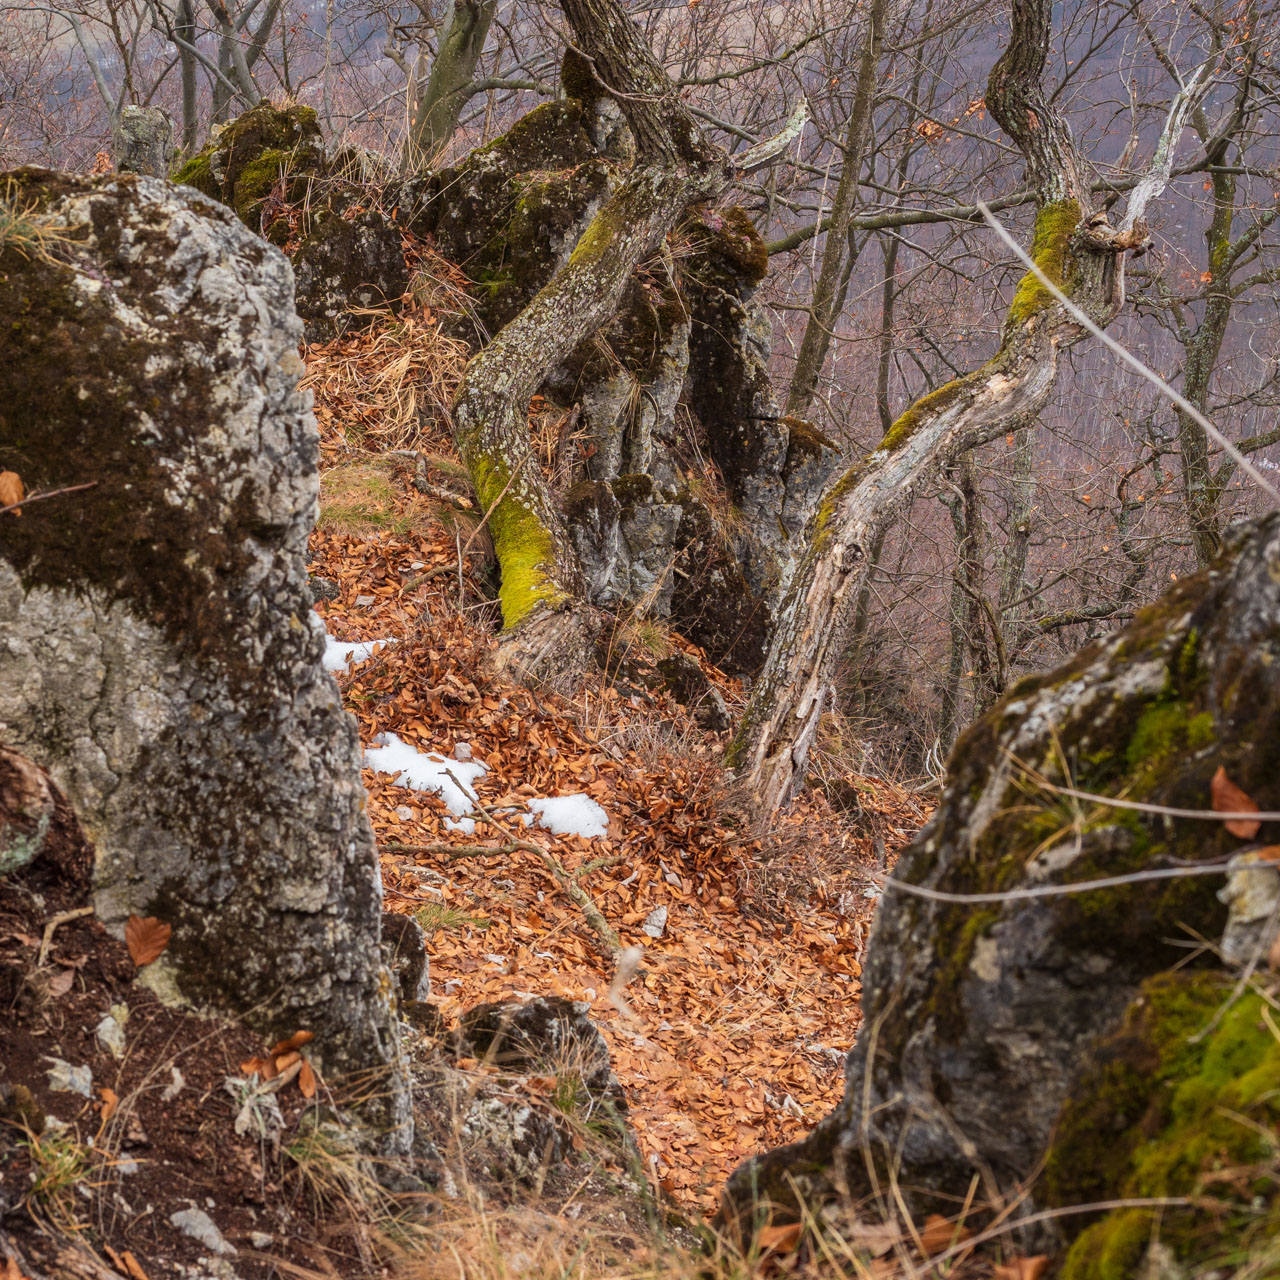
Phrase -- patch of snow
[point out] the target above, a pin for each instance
(425, 771)
(341, 654)
(466, 825)
(576, 815)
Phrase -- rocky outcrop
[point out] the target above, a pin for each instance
(1002, 1032)
(269, 150)
(348, 263)
(270, 165)
(158, 651)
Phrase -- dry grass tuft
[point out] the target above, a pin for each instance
(388, 387)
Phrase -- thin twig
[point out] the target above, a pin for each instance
(42, 497)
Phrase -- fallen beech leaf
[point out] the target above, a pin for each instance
(284, 1061)
(1228, 798)
(938, 1233)
(780, 1239)
(1022, 1268)
(133, 1266)
(109, 1102)
(295, 1041)
(11, 491)
(250, 1065)
(61, 982)
(146, 938)
(307, 1080)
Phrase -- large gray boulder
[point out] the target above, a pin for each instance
(989, 1026)
(158, 651)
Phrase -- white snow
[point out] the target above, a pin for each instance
(341, 654)
(425, 771)
(576, 815)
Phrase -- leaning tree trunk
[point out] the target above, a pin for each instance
(675, 167)
(1083, 256)
(448, 85)
(160, 656)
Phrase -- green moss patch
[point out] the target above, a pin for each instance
(1174, 1105)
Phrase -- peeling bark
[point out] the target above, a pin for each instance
(1077, 250)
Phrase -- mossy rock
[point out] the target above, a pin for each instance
(1181, 1101)
(244, 161)
(982, 1009)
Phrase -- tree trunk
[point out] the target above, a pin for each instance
(1080, 253)
(675, 167)
(184, 27)
(823, 311)
(445, 94)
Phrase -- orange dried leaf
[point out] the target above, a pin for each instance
(146, 938)
(1022, 1268)
(938, 1233)
(1228, 798)
(780, 1239)
(285, 1060)
(109, 1102)
(1270, 853)
(133, 1267)
(295, 1041)
(250, 1065)
(11, 491)
(307, 1080)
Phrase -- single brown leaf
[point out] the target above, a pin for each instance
(11, 491)
(295, 1041)
(938, 1233)
(307, 1080)
(1022, 1268)
(116, 1260)
(146, 938)
(109, 1102)
(1228, 798)
(285, 1060)
(250, 1065)
(133, 1267)
(60, 983)
(780, 1239)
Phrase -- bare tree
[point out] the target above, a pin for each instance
(1077, 247)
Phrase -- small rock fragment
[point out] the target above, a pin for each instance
(200, 1227)
(110, 1035)
(64, 1078)
(655, 924)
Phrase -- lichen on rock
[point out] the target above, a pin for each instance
(159, 655)
(981, 1019)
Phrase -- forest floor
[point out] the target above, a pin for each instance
(721, 961)
(730, 1037)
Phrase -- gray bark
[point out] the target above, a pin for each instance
(1081, 252)
(448, 85)
(160, 656)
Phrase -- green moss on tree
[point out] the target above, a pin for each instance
(525, 547)
(1055, 224)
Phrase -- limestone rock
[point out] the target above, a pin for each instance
(345, 263)
(158, 650)
(142, 141)
(979, 1019)
(547, 1033)
(244, 162)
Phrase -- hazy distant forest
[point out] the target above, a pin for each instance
(884, 282)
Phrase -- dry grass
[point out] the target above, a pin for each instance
(389, 387)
